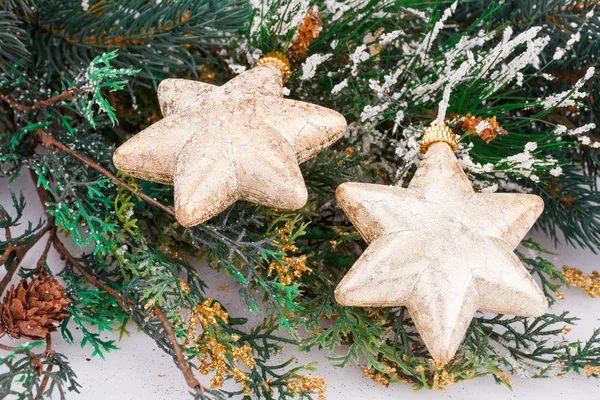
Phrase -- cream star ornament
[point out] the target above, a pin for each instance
(240, 141)
(440, 249)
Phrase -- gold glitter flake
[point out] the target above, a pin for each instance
(149, 303)
(291, 267)
(589, 283)
(243, 353)
(207, 314)
(441, 379)
(589, 370)
(222, 287)
(502, 375)
(379, 378)
(184, 286)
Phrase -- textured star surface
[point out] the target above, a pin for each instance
(239, 141)
(441, 250)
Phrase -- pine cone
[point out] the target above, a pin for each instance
(32, 309)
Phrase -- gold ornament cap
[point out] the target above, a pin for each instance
(438, 133)
(279, 59)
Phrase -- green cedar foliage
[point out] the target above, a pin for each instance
(115, 55)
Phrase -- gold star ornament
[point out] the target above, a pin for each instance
(240, 141)
(440, 249)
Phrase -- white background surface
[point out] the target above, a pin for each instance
(139, 370)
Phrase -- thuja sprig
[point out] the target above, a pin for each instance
(100, 76)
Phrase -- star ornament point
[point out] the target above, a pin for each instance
(239, 141)
(441, 250)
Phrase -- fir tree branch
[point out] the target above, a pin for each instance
(50, 141)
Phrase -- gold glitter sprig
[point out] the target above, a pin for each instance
(589, 283)
(438, 364)
(488, 133)
(184, 286)
(308, 31)
(288, 267)
(207, 314)
(212, 353)
(306, 383)
(292, 267)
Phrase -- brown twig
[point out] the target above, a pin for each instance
(188, 374)
(66, 95)
(48, 140)
(47, 354)
(60, 247)
(20, 252)
(9, 275)
(5, 347)
(44, 256)
(6, 254)
(9, 246)
(14, 104)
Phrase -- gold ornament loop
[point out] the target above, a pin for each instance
(438, 133)
(280, 60)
